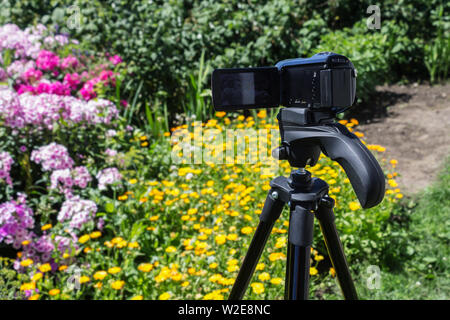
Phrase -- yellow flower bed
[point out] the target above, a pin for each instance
(183, 236)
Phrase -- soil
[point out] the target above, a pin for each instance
(413, 123)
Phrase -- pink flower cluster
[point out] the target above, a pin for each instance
(26, 43)
(16, 220)
(35, 58)
(78, 211)
(58, 88)
(44, 110)
(115, 59)
(52, 157)
(47, 60)
(108, 176)
(64, 180)
(6, 162)
(16, 228)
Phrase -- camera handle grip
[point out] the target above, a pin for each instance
(359, 164)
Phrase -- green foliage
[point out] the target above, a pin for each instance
(198, 102)
(163, 40)
(9, 281)
(437, 52)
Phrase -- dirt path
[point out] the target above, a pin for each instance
(413, 123)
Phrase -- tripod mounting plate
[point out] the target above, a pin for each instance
(312, 192)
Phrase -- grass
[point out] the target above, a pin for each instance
(425, 275)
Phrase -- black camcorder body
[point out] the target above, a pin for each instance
(324, 81)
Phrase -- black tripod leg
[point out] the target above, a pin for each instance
(270, 213)
(325, 215)
(301, 227)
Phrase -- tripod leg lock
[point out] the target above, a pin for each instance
(301, 227)
(272, 208)
(324, 211)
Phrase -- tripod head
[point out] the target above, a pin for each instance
(305, 134)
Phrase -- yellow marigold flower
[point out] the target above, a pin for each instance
(191, 271)
(264, 276)
(260, 266)
(192, 211)
(318, 258)
(137, 298)
(26, 262)
(34, 297)
(114, 270)
(132, 181)
(220, 114)
(247, 230)
(232, 268)
(276, 256)
(276, 280)
(145, 267)
(26, 242)
(98, 285)
(117, 240)
(144, 144)
(213, 265)
(45, 268)
(171, 249)
(177, 277)
(28, 286)
(65, 255)
(313, 271)
(84, 279)
(262, 114)
(100, 275)
(62, 268)
(133, 245)
(46, 227)
(95, 234)
(399, 195)
(232, 237)
(354, 205)
(164, 296)
(54, 292)
(118, 284)
(84, 238)
(332, 272)
(154, 218)
(185, 284)
(257, 287)
(36, 276)
(220, 239)
(122, 197)
(392, 183)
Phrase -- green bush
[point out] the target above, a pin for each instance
(163, 40)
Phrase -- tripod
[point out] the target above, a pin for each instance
(307, 197)
(305, 134)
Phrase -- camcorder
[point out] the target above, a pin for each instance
(312, 90)
(325, 81)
